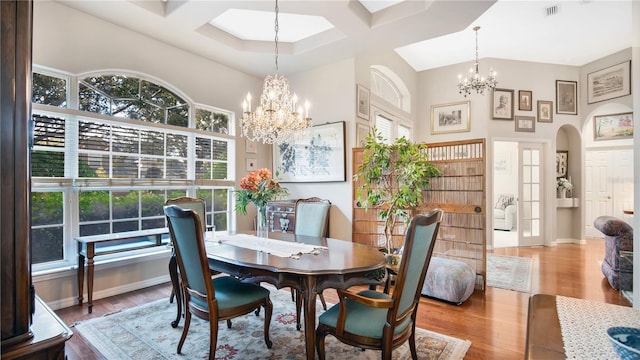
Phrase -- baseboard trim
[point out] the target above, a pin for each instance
(63, 303)
(571, 241)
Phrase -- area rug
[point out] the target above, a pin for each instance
(509, 272)
(144, 332)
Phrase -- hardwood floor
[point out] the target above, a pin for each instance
(494, 321)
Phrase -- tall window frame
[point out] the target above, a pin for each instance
(132, 197)
(390, 104)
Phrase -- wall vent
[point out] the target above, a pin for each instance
(551, 10)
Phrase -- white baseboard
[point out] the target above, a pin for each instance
(571, 241)
(63, 303)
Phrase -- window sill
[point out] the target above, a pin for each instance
(104, 262)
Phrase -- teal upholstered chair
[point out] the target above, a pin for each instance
(312, 219)
(376, 320)
(213, 299)
(199, 206)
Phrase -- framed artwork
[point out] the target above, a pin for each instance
(526, 123)
(502, 104)
(362, 130)
(566, 97)
(317, 156)
(251, 164)
(545, 111)
(525, 98)
(362, 102)
(562, 163)
(609, 83)
(251, 147)
(613, 127)
(450, 118)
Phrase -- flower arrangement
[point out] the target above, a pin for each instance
(258, 187)
(564, 183)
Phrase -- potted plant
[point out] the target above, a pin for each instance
(258, 188)
(393, 177)
(564, 187)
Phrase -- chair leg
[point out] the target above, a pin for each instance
(185, 330)
(293, 298)
(268, 311)
(229, 324)
(324, 303)
(175, 290)
(298, 310)
(320, 334)
(412, 345)
(213, 337)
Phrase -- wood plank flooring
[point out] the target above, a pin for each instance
(494, 321)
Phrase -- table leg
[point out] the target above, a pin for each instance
(175, 282)
(90, 284)
(309, 302)
(80, 278)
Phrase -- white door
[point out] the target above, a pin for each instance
(608, 187)
(530, 204)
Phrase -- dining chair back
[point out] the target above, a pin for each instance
(376, 320)
(210, 298)
(196, 204)
(312, 217)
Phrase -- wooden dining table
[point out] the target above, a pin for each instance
(336, 264)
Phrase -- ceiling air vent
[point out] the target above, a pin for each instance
(551, 10)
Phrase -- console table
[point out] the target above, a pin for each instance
(97, 245)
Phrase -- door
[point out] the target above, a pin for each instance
(608, 187)
(530, 189)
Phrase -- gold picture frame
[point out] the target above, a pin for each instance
(450, 118)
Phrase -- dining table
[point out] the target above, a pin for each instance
(329, 263)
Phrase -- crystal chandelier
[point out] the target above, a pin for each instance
(279, 117)
(475, 82)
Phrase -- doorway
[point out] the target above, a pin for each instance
(517, 191)
(505, 194)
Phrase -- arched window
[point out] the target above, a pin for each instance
(106, 158)
(389, 115)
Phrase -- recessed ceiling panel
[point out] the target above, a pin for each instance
(260, 25)
(376, 5)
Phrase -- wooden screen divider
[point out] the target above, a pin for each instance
(460, 191)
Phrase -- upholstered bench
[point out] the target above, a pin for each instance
(449, 280)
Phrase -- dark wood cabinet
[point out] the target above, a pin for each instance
(281, 215)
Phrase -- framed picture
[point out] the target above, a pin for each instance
(251, 147)
(362, 102)
(362, 130)
(566, 97)
(562, 163)
(450, 118)
(251, 164)
(317, 156)
(526, 123)
(525, 98)
(613, 127)
(545, 111)
(502, 104)
(609, 83)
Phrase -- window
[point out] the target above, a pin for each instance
(390, 104)
(113, 172)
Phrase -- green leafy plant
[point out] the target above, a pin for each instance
(393, 177)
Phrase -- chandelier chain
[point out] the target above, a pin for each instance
(277, 27)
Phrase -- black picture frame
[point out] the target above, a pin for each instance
(319, 155)
(562, 163)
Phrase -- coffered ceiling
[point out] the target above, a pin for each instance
(427, 34)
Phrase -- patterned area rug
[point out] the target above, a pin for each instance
(509, 272)
(145, 332)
